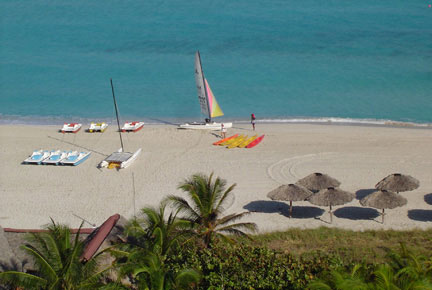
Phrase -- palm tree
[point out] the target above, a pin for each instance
(148, 271)
(57, 262)
(407, 270)
(341, 280)
(207, 200)
(150, 239)
(155, 230)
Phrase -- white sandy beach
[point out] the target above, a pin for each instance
(358, 156)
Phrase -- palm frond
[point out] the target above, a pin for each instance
(232, 218)
(252, 227)
(94, 279)
(224, 197)
(40, 260)
(186, 278)
(22, 279)
(184, 207)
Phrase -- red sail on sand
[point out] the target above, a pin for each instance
(255, 142)
(97, 237)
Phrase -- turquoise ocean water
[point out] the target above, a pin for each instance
(285, 61)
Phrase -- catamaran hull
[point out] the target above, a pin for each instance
(123, 164)
(205, 126)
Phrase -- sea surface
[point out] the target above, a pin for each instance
(286, 61)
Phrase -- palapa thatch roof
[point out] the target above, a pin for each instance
(290, 192)
(331, 196)
(317, 181)
(382, 199)
(398, 182)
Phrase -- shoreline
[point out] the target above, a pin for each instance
(326, 121)
(358, 156)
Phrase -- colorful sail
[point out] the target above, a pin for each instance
(209, 105)
(215, 110)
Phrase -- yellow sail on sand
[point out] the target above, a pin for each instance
(228, 142)
(247, 141)
(237, 142)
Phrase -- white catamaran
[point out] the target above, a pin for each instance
(119, 159)
(208, 103)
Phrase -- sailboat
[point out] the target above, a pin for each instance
(119, 159)
(208, 103)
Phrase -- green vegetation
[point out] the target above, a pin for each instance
(203, 212)
(194, 246)
(368, 246)
(57, 262)
(142, 260)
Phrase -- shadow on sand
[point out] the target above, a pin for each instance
(360, 194)
(165, 122)
(356, 213)
(422, 215)
(76, 145)
(428, 198)
(267, 206)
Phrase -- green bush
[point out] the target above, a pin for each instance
(249, 267)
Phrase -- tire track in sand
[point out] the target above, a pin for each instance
(284, 172)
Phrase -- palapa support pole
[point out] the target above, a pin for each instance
(383, 214)
(290, 212)
(331, 216)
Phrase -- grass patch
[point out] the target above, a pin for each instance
(369, 246)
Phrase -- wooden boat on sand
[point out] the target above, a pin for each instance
(97, 237)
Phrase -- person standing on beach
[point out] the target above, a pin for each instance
(223, 131)
(253, 121)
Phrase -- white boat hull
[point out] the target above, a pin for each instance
(132, 126)
(37, 157)
(205, 126)
(71, 128)
(121, 164)
(55, 157)
(75, 158)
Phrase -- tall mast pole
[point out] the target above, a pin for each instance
(116, 110)
(205, 88)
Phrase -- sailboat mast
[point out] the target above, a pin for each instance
(205, 87)
(116, 110)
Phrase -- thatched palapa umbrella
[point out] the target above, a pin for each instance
(398, 182)
(317, 181)
(383, 199)
(331, 196)
(291, 192)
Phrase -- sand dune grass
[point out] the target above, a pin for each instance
(368, 246)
